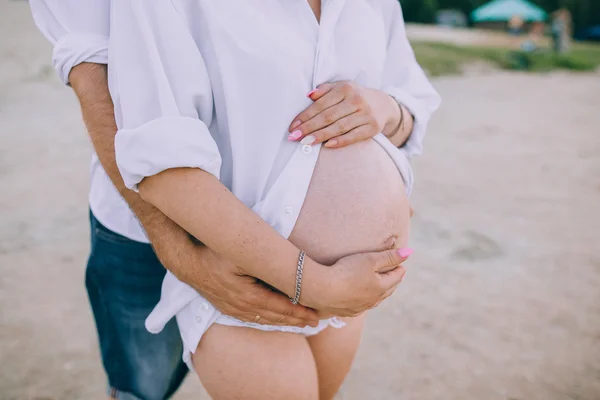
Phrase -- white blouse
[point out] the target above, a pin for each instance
(215, 84)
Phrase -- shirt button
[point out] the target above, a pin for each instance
(289, 210)
(198, 319)
(205, 306)
(306, 149)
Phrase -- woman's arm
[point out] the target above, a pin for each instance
(345, 112)
(203, 206)
(405, 81)
(209, 211)
(164, 149)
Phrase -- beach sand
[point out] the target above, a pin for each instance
(502, 296)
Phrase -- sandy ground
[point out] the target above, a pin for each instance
(502, 299)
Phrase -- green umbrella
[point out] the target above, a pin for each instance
(504, 10)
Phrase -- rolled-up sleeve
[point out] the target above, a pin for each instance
(405, 80)
(162, 93)
(78, 29)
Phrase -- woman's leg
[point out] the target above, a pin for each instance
(248, 364)
(334, 350)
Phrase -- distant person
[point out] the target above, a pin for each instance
(515, 25)
(537, 30)
(558, 27)
(561, 30)
(530, 44)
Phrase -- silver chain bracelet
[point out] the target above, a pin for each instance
(299, 269)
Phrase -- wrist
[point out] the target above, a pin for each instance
(400, 127)
(316, 281)
(177, 252)
(394, 117)
(170, 242)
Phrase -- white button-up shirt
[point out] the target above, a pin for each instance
(215, 84)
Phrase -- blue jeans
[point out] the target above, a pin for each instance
(123, 281)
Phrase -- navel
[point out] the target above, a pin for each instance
(390, 243)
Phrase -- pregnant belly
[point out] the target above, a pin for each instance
(356, 203)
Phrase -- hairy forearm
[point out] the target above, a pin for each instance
(203, 206)
(90, 83)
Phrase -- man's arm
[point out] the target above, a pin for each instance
(89, 81)
(230, 293)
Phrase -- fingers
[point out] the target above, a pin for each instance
(355, 135)
(392, 278)
(286, 313)
(336, 120)
(338, 110)
(391, 290)
(329, 100)
(268, 317)
(277, 309)
(338, 128)
(383, 261)
(255, 299)
(321, 90)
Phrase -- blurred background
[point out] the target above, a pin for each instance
(502, 296)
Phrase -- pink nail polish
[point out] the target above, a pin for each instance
(405, 253)
(294, 135)
(311, 92)
(296, 124)
(331, 143)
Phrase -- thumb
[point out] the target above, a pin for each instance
(386, 261)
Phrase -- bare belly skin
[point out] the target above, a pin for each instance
(356, 203)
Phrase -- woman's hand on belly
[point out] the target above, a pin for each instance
(358, 283)
(345, 112)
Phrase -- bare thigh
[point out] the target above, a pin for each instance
(334, 351)
(245, 363)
